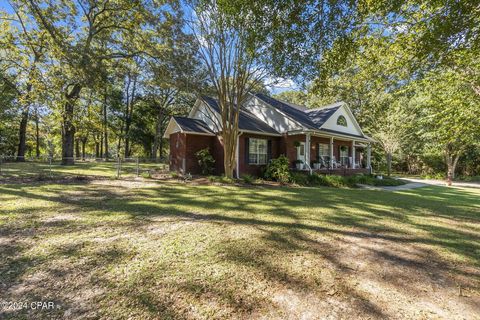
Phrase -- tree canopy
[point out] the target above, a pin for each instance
(102, 78)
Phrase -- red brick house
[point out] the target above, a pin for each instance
(326, 139)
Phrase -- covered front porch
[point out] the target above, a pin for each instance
(329, 153)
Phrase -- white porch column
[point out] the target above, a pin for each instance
(331, 152)
(353, 154)
(369, 157)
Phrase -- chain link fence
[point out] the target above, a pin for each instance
(12, 167)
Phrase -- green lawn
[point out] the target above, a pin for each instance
(133, 250)
(29, 169)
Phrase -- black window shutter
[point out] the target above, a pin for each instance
(318, 151)
(247, 150)
(269, 150)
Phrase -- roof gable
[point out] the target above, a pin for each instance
(352, 127)
(192, 125)
(323, 119)
(320, 115)
(187, 125)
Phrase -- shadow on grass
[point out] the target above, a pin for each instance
(286, 222)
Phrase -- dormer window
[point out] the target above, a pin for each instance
(341, 121)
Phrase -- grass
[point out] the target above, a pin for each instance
(15, 170)
(142, 250)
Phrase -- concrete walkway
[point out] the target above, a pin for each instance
(408, 186)
(414, 183)
(444, 183)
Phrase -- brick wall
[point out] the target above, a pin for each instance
(218, 155)
(177, 151)
(183, 148)
(314, 141)
(194, 144)
(288, 146)
(255, 170)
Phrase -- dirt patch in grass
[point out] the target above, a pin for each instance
(118, 249)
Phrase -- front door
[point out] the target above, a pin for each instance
(301, 152)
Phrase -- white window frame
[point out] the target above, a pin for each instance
(326, 156)
(254, 149)
(301, 155)
(344, 158)
(344, 119)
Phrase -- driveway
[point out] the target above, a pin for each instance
(414, 183)
(432, 182)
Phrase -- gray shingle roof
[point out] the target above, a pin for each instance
(192, 125)
(319, 116)
(246, 121)
(294, 113)
(310, 118)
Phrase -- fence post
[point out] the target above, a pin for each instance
(138, 169)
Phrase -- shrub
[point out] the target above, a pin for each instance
(248, 178)
(337, 181)
(434, 176)
(316, 180)
(174, 175)
(278, 170)
(205, 161)
(469, 178)
(362, 179)
(299, 178)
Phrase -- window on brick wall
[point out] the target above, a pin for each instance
(257, 151)
(324, 152)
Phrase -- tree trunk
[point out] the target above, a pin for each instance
(22, 135)
(229, 148)
(97, 149)
(129, 112)
(77, 148)
(37, 135)
(84, 142)
(127, 145)
(451, 166)
(105, 130)
(68, 127)
(389, 163)
(161, 148)
(101, 146)
(119, 142)
(157, 142)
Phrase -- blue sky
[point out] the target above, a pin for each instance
(273, 85)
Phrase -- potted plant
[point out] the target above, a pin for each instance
(344, 148)
(316, 164)
(296, 144)
(298, 164)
